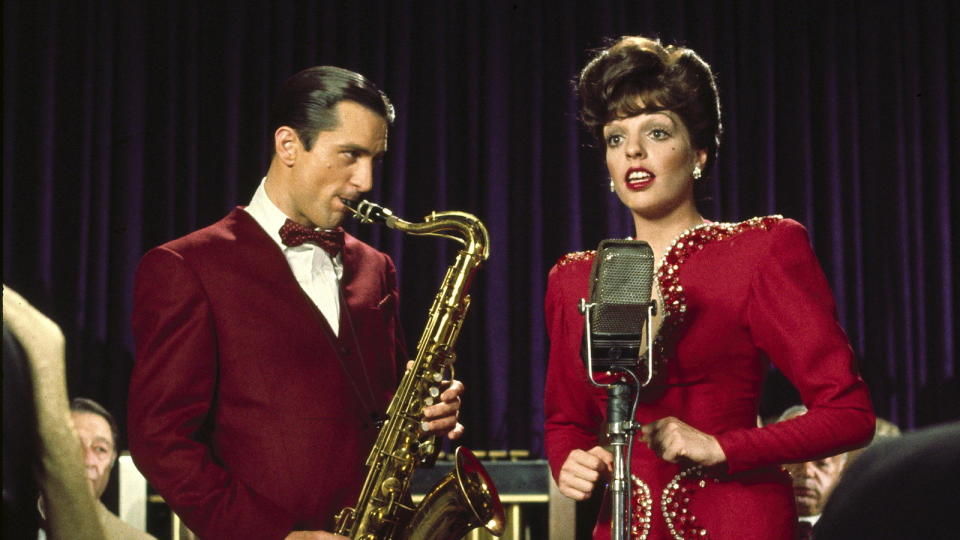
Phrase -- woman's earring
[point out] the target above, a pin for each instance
(611, 186)
(697, 173)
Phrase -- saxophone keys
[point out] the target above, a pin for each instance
(390, 486)
(426, 448)
(433, 376)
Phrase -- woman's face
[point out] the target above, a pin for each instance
(651, 162)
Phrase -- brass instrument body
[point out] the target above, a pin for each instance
(466, 498)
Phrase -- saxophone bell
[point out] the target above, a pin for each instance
(463, 500)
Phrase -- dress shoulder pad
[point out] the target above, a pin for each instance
(576, 256)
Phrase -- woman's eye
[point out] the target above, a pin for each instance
(659, 134)
(614, 140)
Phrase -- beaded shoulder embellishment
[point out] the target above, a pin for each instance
(682, 247)
(576, 256)
(642, 509)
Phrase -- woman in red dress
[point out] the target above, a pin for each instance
(734, 297)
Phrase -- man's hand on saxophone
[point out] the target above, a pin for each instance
(441, 418)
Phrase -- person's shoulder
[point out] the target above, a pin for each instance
(757, 231)
(780, 232)
(908, 450)
(572, 265)
(758, 224)
(917, 470)
(226, 230)
(359, 247)
(575, 260)
(362, 252)
(353, 243)
(190, 240)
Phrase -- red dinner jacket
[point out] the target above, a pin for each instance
(246, 412)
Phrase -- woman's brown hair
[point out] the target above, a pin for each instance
(637, 71)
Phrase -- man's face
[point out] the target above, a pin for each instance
(339, 166)
(99, 450)
(813, 481)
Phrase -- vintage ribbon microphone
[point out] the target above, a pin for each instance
(621, 281)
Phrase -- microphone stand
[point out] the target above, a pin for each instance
(620, 424)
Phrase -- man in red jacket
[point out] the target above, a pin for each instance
(263, 363)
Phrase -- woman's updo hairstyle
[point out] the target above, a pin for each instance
(668, 78)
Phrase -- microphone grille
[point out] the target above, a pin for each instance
(621, 284)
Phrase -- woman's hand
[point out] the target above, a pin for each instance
(674, 440)
(581, 471)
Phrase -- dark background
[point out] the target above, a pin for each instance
(127, 124)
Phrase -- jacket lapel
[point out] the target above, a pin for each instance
(266, 255)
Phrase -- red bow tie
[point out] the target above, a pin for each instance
(295, 234)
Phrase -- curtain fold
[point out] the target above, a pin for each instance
(126, 125)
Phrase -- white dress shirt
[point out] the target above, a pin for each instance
(315, 270)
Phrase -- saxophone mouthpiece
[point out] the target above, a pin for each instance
(368, 212)
(350, 204)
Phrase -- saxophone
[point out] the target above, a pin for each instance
(466, 498)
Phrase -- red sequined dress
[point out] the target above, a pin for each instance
(737, 296)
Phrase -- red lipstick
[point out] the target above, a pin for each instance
(638, 178)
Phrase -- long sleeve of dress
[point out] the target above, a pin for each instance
(569, 404)
(171, 394)
(792, 318)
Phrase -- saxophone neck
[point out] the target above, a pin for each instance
(461, 227)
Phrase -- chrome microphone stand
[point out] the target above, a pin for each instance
(620, 421)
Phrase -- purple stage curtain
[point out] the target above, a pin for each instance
(126, 124)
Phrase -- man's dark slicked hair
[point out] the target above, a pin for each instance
(307, 101)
